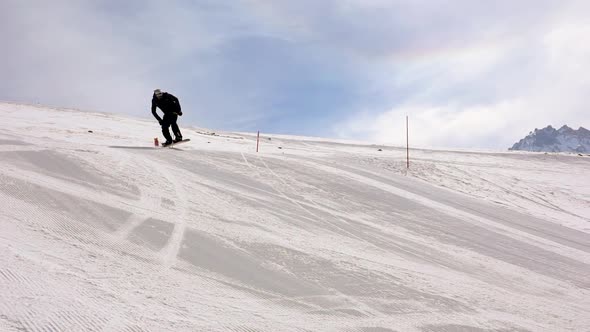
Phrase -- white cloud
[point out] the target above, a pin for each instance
(437, 126)
(490, 96)
(79, 54)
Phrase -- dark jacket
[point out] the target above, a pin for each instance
(168, 104)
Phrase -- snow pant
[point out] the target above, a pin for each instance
(168, 121)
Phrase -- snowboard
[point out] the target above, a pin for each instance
(179, 142)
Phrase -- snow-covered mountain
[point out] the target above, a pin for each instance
(549, 139)
(102, 231)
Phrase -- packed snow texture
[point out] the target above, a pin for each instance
(102, 231)
(549, 139)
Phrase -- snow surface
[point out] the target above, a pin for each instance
(100, 231)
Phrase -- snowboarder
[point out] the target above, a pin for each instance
(171, 108)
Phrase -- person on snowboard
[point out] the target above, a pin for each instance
(171, 108)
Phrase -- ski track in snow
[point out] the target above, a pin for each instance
(583, 256)
(173, 245)
(101, 232)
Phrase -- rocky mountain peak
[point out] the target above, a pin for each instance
(549, 139)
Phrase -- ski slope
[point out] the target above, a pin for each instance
(100, 231)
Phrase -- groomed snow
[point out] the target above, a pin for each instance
(101, 231)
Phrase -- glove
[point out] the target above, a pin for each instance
(179, 113)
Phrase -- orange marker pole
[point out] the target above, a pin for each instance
(257, 140)
(407, 143)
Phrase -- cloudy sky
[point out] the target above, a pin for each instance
(469, 74)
